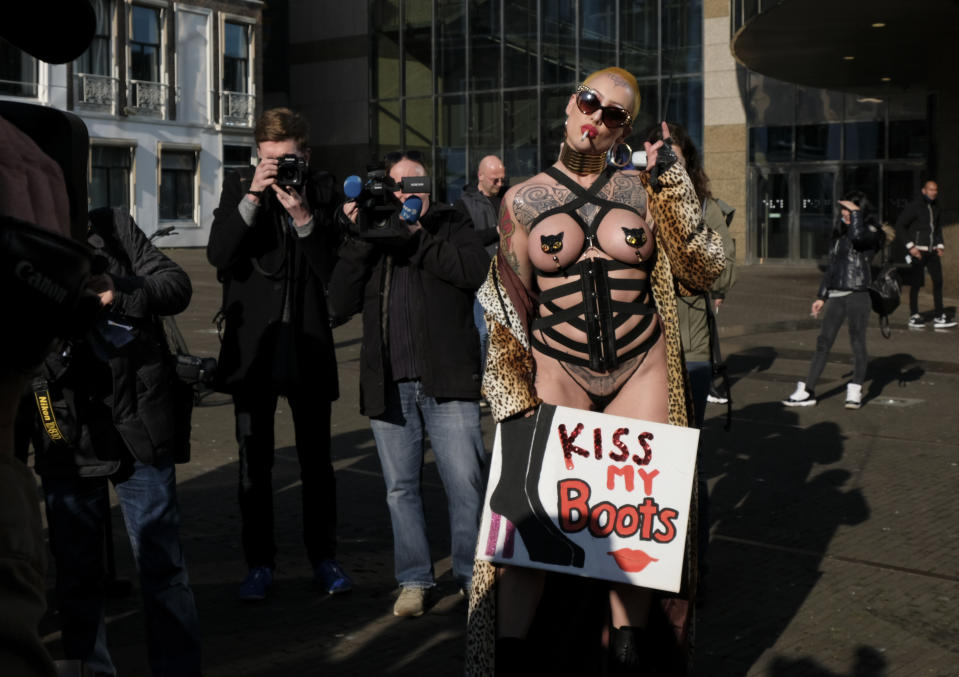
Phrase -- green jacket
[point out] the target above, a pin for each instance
(692, 310)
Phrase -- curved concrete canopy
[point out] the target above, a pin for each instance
(809, 41)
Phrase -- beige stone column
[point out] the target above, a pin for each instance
(724, 119)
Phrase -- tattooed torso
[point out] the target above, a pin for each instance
(556, 242)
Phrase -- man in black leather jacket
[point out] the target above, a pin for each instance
(272, 246)
(420, 372)
(920, 227)
(114, 417)
(844, 293)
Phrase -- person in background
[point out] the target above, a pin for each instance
(920, 227)
(844, 292)
(696, 311)
(420, 370)
(273, 247)
(113, 390)
(481, 204)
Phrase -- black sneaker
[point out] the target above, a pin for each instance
(916, 322)
(717, 395)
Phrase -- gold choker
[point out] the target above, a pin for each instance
(581, 163)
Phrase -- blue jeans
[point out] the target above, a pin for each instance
(453, 427)
(76, 510)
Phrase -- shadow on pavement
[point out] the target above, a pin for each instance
(868, 663)
(775, 505)
(298, 629)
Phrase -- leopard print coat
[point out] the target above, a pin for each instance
(691, 257)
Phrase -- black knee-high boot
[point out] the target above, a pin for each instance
(516, 496)
(629, 653)
(512, 657)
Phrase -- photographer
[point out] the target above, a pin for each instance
(33, 225)
(414, 281)
(272, 242)
(107, 409)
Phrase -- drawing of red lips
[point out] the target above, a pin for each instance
(632, 561)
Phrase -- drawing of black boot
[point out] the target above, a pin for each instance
(516, 497)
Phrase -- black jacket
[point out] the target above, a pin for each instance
(447, 265)
(853, 247)
(258, 265)
(110, 396)
(920, 225)
(482, 212)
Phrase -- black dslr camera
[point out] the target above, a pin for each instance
(379, 214)
(291, 171)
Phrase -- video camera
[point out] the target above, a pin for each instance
(379, 214)
(291, 171)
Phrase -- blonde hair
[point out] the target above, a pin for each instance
(622, 74)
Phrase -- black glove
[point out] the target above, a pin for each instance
(665, 159)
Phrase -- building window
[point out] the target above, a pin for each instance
(236, 57)
(94, 86)
(237, 105)
(110, 168)
(147, 92)
(145, 44)
(96, 60)
(18, 71)
(236, 157)
(177, 185)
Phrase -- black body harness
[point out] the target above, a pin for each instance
(598, 315)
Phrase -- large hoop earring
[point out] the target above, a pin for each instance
(615, 157)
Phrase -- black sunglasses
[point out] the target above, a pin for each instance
(587, 100)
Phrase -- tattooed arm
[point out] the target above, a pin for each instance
(513, 238)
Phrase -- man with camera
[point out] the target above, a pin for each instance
(272, 243)
(413, 276)
(108, 408)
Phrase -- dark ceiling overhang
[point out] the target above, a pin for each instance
(808, 42)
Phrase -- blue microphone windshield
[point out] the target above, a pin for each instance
(411, 209)
(353, 186)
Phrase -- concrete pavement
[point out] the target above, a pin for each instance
(834, 549)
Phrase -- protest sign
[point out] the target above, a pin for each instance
(590, 494)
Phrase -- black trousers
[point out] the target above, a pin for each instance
(255, 409)
(855, 308)
(933, 263)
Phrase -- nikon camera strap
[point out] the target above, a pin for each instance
(41, 395)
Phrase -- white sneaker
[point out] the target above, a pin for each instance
(801, 397)
(916, 322)
(853, 395)
(943, 322)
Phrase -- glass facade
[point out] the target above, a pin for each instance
(808, 147)
(462, 79)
